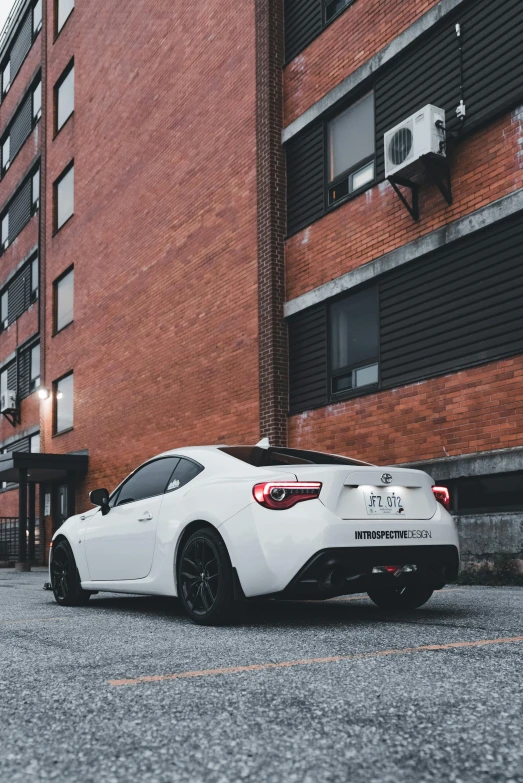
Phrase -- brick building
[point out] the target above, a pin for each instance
(200, 244)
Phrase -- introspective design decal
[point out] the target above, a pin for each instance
(366, 534)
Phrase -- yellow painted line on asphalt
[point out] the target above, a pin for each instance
(256, 667)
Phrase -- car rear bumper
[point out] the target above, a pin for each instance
(354, 570)
(270, 549)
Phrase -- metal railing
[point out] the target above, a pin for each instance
(9, 541)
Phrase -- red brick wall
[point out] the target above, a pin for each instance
(164, 341)
(354, 37)
(485, 167)
(476, 410)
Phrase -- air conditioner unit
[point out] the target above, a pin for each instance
(8, 401)
(420, 134)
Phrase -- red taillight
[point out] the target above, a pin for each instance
(284, 494)
(442, 496)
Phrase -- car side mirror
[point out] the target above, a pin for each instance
(100, 497)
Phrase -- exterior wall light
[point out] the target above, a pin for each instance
(59, 395)
(43, 393)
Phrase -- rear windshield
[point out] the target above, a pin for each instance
(261, 458)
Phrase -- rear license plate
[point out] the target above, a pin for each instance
(384, 502)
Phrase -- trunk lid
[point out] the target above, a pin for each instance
(370, 492)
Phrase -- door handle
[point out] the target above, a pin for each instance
(146, 517)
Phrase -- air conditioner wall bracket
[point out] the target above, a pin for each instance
(13, 417)
(413, 208)
(437, 172)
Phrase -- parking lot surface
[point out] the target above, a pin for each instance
(128, 689)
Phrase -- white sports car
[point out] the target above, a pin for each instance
(216, 525)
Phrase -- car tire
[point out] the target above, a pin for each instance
(400, 597)
(205, 579)
(65, 579)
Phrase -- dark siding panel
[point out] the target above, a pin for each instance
(21, 126)
(303, 22)
(457, 307)
(305, 178)
(19, 295)
(20, 210)
(492, 39)
(24, 372)
(308, 359)
(21, 45)
(21, 445)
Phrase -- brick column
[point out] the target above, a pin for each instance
(270, 170)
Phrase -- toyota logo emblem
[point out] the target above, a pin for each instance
(386, 478)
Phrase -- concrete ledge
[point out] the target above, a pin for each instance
(486, 216)
(481, 464)
(352, 81)
(22, 567)
(7, 563)
(486, 535)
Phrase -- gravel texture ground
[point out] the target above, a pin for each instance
(452, 713)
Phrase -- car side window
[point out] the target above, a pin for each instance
(184, 472)
(149, 480)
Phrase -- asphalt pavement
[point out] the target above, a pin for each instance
(128, 689)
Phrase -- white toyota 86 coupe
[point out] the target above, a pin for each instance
(218, 525)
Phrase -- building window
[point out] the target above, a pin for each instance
(64, 197)
(64, 300)
(37, 17)
(354, 342)
(34, 443)
(37, 102)
(64, 9)
(35, 368)
(5, 231)
(350, 155)
(334, 7)
(36, 190)
(6, 77)
(3, 383)
(63, 404)
(6, 154)
(35, 284)
(64, 96)
(4, 307)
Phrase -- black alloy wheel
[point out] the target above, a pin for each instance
(410, 597)
(205, 578)
(65, 579)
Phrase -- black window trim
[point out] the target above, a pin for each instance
(56, 433)
(55, 24)
(63, 76)
(56, 182)
(34, 121)
(178, 457)
(358, 391)
(345, 175)
(4, 61)
(56, 281)
(324, 24)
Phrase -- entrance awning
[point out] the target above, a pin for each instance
(41, 467)
(27, 470)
